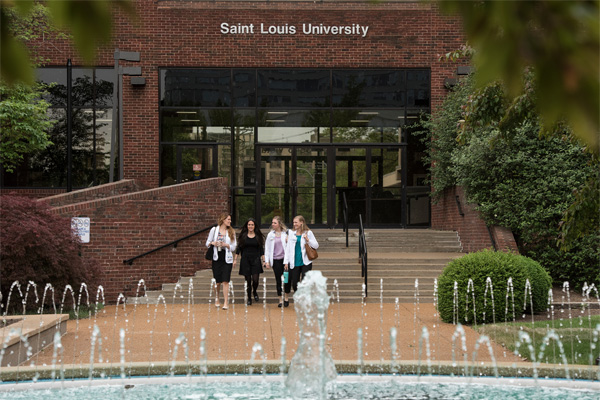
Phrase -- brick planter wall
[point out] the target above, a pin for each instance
(127, 225)
(94, 193)
(471, 228)
(32, 193)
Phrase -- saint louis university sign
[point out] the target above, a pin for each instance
(305, 29)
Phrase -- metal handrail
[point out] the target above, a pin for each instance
(362, 251)
(345, 210)
(173, 243)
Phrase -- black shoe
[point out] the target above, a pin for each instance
(256, 297)
(249, 302)
(286, 303)
(280, 305)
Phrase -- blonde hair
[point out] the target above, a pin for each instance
(230, 230)
(303, 222)
(281, 224)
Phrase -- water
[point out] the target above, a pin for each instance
(273, 388)
(312, 372)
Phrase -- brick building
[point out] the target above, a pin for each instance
(298, 104)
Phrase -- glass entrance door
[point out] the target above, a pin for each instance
(295, 183)
(370, 180)
(195, 162)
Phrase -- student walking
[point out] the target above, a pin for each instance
(222, 238)
(275, 250)
(296, 260)
(251, 249)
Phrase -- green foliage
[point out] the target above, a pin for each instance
(85, 311)
(90, 23)
(499, 267)
(579, 265)
(582, 217)
(519, 179)
(560, 40)
(440, 135)
(525, 183)
(23, 122)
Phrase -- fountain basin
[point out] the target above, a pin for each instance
(235, 367)
(272, 387)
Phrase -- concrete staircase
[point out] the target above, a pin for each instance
(396, 259)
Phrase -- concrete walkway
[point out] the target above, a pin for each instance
(151, 333)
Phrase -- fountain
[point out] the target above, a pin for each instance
(117, 353)
(312, 366)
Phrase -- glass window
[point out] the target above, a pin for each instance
(293, 126)
(367, 126)
(417, 88)
(89, 87)
(293, 88)
(244, 123)
(195, 87)
(244, 88)
(368, 88)
(193, 125)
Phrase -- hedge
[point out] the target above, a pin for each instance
(499, 267)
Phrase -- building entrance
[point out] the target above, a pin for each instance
(294, 181)
(312, 181)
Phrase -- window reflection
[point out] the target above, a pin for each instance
(188, 125)
(92, 91)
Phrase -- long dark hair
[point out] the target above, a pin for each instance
(244, 234)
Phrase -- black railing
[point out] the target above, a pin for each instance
(345, 211)
(362, 251)
(173, 243)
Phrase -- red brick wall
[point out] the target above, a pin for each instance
(471, 228)
(93, 193)
(127, 225)
(187, 34)
(32, 193)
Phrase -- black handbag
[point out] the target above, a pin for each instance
(209, 252)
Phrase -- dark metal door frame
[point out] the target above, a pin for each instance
(215, 157)
(330, 155)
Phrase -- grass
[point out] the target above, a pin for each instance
(85, 311)
(577, 339)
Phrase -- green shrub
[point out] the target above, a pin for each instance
(499, 267)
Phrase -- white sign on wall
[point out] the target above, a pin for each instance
(81, 226)
(287, 29)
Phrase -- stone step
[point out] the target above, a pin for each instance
(398, 257)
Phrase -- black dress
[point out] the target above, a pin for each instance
(251, 253)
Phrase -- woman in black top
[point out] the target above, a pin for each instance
(251, 247)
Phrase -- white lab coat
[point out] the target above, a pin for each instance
(290, 254)
(212, 237)
(270, 246)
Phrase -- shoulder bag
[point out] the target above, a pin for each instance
(209, 252)
(311, 253)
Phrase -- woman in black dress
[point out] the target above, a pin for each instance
(222, 238)
(251, 247)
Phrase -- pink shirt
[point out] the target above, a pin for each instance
(278, 252)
